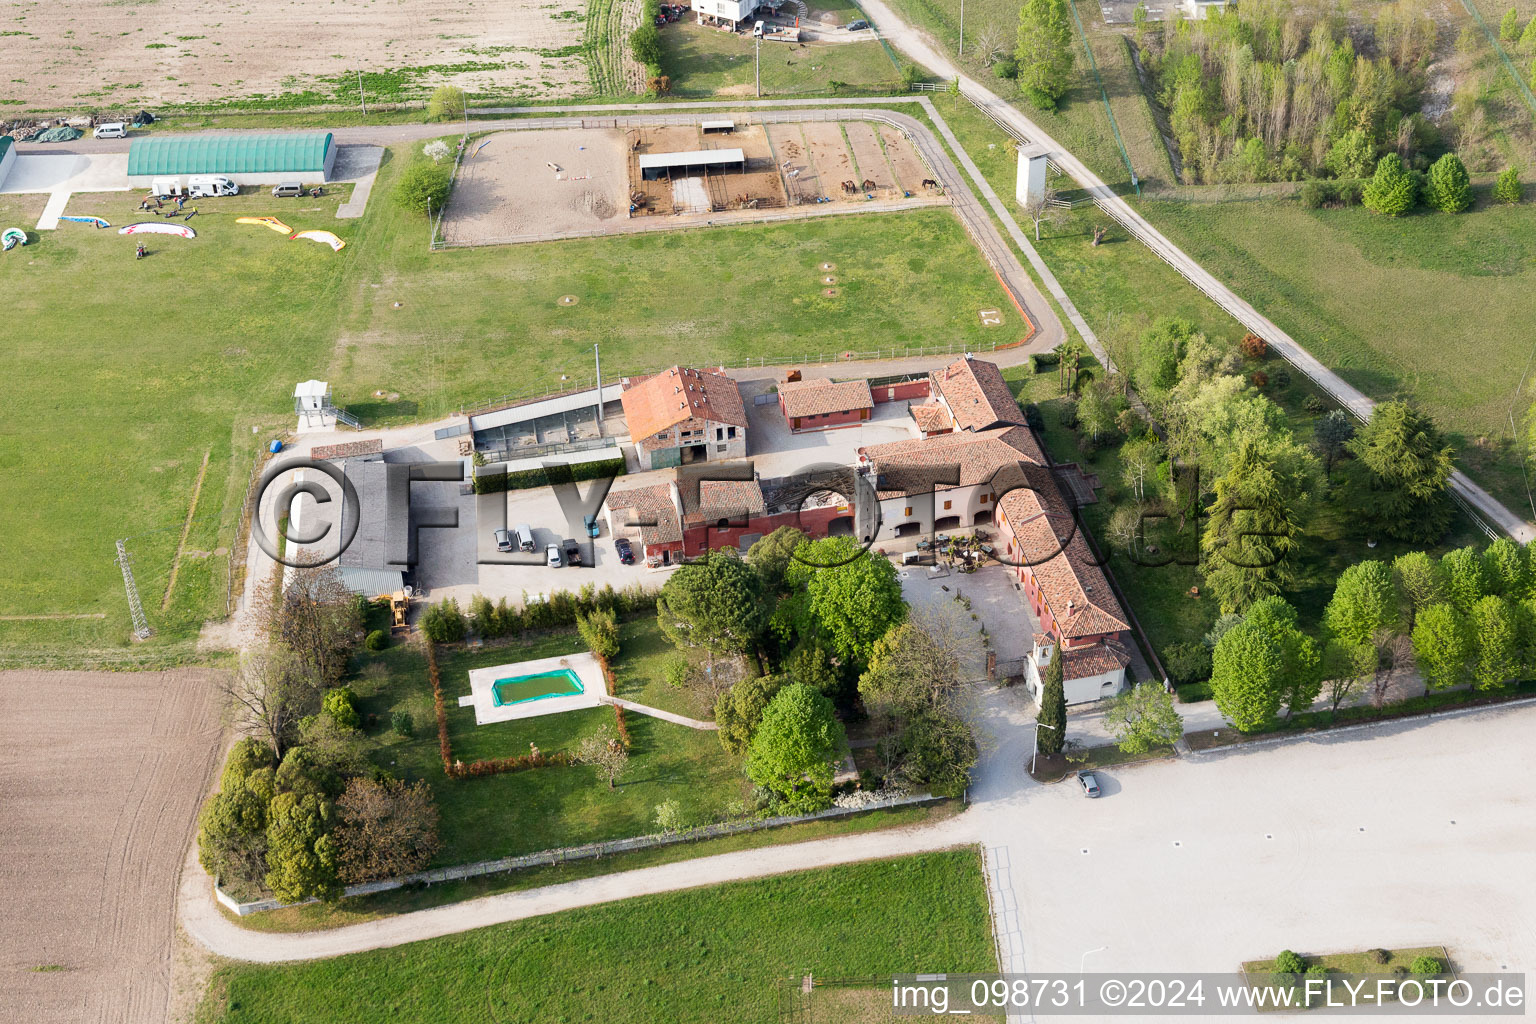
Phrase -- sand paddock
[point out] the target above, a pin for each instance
(144, 52)
(102, 775)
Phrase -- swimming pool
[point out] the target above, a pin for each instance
(522, 689)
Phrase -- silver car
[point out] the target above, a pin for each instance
(552, 556)
(1090, 784)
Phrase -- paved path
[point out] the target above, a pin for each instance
(665, 716)
(920, 47)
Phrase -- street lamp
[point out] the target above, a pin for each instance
(1038, 727)
(1082, 963)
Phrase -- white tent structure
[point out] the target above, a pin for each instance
(312, 401)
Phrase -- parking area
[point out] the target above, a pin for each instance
(994, 600)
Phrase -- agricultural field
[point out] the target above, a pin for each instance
(697, 955)
(285, 53)
(184, 353)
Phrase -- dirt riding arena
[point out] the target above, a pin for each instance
(533, 184)
(102, 774)
(145, 52)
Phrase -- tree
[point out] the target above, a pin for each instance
(316, 617)
(1351, 154)
(443, 623)
(1495, 643)
(1331, 436)
(1507, 569)
(1364, 600)
(385, 829)
(1139, 459)
(715, 603)
(301, 853)
(1466, 578)
(791, 754)
(1391, 190)
(1263, 662)
(603, 751)
(916, 666)
(1508, 189)
(423, 188)
(1045, 51)
(600, 632)
(771, 556)
(937, 750)
(853, 600)
(340, 704)
(1051, 719)
(739, 710)
(810, 663)
(1251, 533)
(1442, 645)
(267, 696)
(1300, 680)
(448, 103)
(1187, 662)
(645, 44)
(1509, 26)
(1042, 207)
(1346, 668)
(436, 151)
(1143, 718)
(1408, 464)
(1527, 43)
(1419, 580)
(232, 827)
(1394, 658)
(1450, 190)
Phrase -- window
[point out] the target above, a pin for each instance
(986, 498)
(907, 511)
(946, 504)
(730, 432)
(719, 433)
(721, 447)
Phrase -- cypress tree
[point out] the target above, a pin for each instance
(1053, 708)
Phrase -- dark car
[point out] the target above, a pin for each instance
(626, 554)
(858, 26)
(504, 540)
(572, 552)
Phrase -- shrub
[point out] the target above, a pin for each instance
(403, 724)
(377, 640)
(443, 623)
(645, 44)
(1187, 662)
(1007, 68)
(341, 705)
(1379, 956)
(1253, 347)
(423, 187)
(1259, 379)
(1316, 194)
(1289, 963)
(447, 104)
(1392, 190)
(1449, 189)
(1281, 378)
(1068, 415)
(1423, 965)
(669, 816)
(676, 671)
(1314, 404)
(1507, 189)
(491, 483)
(1040, 360)
(600, 632)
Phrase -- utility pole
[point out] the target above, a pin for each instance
(962, 28)
(361, 98)
(598, 357)
(141, 630)
(758, 61)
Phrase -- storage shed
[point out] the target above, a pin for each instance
(248, 159)
(654, 166)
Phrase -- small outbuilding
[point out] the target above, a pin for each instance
(247, 159)
(821, 403)
(655, 166)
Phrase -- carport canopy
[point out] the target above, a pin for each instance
(658, 165)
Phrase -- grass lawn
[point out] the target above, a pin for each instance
(705, 62)
(524, 812)
(638, 671)
(1431, 306)
(699, 955)
(129, 372)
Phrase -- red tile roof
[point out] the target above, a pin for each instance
(1094, 660)
(675, 396)
(977, 395)
(979, 457)
(652, 503)
(819, 396)
(1047, 540)
(931, 418)
(721, 499)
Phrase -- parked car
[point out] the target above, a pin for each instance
(572, 552)
(504, 541)
(525, 537)
(626, 554)
(288, 189)
(552, 556)
(590, 522)
(115, 130)
(858, 26)
(1089, 782)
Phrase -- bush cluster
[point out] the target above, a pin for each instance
(522, 479)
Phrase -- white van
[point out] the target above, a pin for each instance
(525, 537)
(115, 130)
(204, 185)
(165, 188)
(757, 30)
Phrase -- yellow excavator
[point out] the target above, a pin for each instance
(399, 612)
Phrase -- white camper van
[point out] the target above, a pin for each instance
(204, 185)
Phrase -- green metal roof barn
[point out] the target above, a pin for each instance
(270, 156)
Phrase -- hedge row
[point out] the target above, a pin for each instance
(522, 479)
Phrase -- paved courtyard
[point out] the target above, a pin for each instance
(777, 451)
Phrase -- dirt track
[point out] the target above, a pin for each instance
(101, 775)
(140, 54)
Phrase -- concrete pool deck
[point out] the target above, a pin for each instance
(482, 685)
